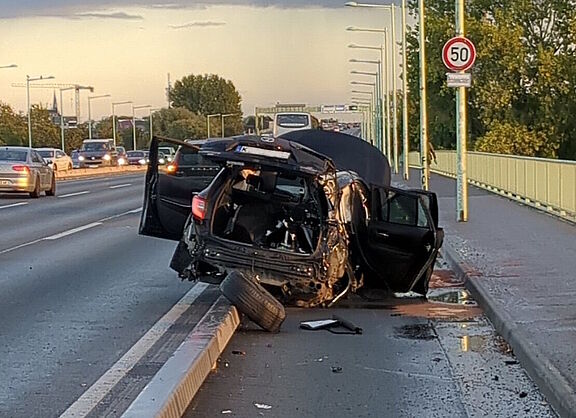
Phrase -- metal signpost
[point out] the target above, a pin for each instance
(459, 55)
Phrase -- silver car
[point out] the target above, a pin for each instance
(23, 170)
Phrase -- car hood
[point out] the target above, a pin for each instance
(348, 153)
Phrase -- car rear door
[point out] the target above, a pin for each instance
(169, 190)
(403, 237)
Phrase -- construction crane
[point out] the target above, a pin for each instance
(60, 86)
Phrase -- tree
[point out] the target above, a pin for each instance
(13, 128)
(206, 95)
(524, 77)
(44, 132)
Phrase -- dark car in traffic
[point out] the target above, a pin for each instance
(137, 157)
(98, 153)
(283, 224)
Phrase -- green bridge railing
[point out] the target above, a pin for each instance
(546, 184)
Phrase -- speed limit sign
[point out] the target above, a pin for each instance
(458, 54)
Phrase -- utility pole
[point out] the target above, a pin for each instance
(425, 175)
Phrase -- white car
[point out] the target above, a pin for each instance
(57, 159)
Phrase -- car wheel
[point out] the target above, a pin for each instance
(36, 192)
(254, 301)
(52, 190)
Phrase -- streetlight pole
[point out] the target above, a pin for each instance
(114, 118)
(90, 113)
(423, 100)
(393, 51)
(380, 123)
(28, 81)
(208, 123)
(375, 115)
(62, 115)
(8, 66)
(225, 116)
(134, 122)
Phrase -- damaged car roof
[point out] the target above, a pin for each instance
(348, 153)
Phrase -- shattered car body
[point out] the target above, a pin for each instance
(300, 225)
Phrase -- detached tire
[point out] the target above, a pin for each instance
(254, 301)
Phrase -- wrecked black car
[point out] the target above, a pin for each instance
(275, 222)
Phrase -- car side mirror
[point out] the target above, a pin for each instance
(47, 161)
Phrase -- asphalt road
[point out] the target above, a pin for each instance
(78, 287)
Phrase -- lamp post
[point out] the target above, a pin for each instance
(114, 118)
(152, 109)
(405, 144)
(363, 105)
(225, 116)
(208, 123)
(62, 115)
(90, 98)
(28, 81)
(385, 52)
(377, 129)
(380, 121)
(8, 66)
(134, 122)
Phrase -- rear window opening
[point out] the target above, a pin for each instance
(271, 211)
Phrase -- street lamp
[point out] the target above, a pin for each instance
(384, 52)
(152, 109)
(380, 122)
(8, 66)
(375, 113)
(134, 122)
(62, 115)
(90, 113)
(114, 119)
(208, 123)
(391, 7)
(225, 116)
(28, 81)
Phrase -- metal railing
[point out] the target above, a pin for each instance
(546, 184)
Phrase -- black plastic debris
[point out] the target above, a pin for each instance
(332, 325)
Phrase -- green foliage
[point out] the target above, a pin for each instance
(514, 139)
(13, 127)
(44, 132)
(205, 95)
(524, 77)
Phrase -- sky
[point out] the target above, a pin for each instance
(273, 51)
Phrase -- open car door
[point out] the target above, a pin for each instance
(169, 189)
(402, 238)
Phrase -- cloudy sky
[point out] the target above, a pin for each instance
(290, 51)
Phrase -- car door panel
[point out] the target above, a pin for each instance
(167, 197)
(401, 237)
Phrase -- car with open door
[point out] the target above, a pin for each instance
(280, 223)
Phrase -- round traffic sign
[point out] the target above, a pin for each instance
(458, 54)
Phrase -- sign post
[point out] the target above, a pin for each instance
(459, 55)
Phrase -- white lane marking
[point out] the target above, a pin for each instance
(73, 231)
(52, 237)
(14, 205)
(74, 194)
(120, 185)
(90, 399)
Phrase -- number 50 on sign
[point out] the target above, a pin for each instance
(458, 54)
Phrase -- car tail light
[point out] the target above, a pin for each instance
(199, 207)
(171, 168)
(20, 168)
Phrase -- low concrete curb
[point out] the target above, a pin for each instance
(98, 172)
(172, 389)
(549, 379)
